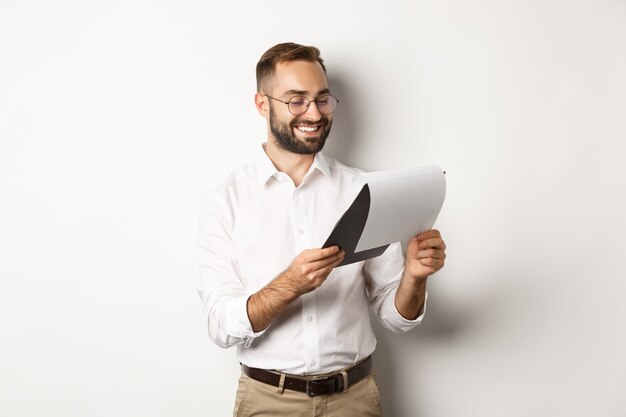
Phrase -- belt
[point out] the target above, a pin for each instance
(312, 387)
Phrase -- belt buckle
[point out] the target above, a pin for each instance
(320, 382)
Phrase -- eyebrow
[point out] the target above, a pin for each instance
(304, 93)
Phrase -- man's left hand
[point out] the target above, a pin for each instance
(425, 254)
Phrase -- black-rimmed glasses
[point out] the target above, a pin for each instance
(297, 105)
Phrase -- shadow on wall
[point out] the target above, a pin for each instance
(440, 324)
(449, 322)
(344, 142)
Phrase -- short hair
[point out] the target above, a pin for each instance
(283, 52)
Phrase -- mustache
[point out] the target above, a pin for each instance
(322, 121)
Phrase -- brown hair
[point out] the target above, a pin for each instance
(283, 52)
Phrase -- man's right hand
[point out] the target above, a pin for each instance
(306, 272)
(311, 267)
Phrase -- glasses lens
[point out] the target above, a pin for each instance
(298, 105)
(326, 104)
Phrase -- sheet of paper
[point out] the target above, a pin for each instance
(403, 203)
(392, 206)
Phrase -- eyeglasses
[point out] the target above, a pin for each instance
(297, 105)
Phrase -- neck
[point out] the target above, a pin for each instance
(293, 164)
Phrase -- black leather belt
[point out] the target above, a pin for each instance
(312, 387)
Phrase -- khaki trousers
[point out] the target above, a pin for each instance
(257, 399)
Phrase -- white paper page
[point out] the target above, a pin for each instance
(404, 202)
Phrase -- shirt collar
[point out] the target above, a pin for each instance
(265, 168)
(320, 162)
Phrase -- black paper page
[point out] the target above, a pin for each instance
(348, 230)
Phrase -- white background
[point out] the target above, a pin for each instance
(115, 117)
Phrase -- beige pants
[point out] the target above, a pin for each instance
(257, 399)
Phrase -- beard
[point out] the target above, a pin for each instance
(286, 138)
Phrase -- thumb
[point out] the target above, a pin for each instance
(411, 248)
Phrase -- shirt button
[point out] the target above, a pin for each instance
(300, 231)
(313, 363)
(309, 319)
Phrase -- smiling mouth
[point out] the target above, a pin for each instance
(308, 128)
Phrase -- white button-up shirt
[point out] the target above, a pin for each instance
(251, 227)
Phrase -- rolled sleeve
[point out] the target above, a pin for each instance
(227, 321)
(383, 275)
(395, 320)
(223, 294)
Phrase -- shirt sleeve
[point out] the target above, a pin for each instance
(224, 296)
(383, 275)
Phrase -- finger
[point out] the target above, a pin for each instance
(429, 234)
(435, 242)
(335, 264)
(328, 269)
(412, 248)
(313, 255)
(431, 253)
(433, 263)
(329, 251)
(434, 256)
(320, 275)
(329, 260)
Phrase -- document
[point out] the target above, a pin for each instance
(392, 206)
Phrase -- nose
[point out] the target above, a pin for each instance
(312, 112)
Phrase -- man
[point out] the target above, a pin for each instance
(300, 323)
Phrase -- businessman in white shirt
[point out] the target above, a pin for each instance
(300, 323)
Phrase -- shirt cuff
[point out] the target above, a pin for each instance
(402, 324)
(237, 310)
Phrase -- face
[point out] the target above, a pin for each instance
(306, 133)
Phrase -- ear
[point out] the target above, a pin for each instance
(262, 105)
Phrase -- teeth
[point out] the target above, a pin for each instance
(307, 129)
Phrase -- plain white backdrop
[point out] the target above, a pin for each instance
(116, 116)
